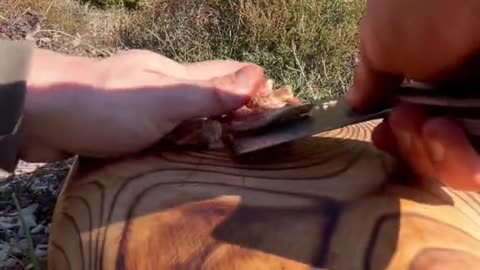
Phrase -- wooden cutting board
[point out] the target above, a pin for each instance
(328, 202)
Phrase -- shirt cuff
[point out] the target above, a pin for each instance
(15, 59)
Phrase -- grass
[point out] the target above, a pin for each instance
(309, 44)
(31, 248)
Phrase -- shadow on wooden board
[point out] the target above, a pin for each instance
(328, 202)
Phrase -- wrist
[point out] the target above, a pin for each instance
(55, 84)
(54, 81)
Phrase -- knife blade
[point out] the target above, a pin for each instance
(322, 117)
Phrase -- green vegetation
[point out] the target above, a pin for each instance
(31, 248)
(309, 44)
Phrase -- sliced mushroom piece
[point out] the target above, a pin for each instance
(197, 133)
(269, 107)
(259, 120)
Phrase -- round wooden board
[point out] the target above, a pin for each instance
(327, 202)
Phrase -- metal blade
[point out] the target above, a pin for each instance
(323, 117)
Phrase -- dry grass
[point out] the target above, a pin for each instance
(309, 44)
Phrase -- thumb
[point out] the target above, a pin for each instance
(219, 95)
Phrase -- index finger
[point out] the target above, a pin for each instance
(207, 70)
(370, 87)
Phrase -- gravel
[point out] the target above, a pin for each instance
(36, 185)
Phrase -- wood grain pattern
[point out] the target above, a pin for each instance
(328, 202)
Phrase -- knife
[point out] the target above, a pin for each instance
(322, 117)
(334, 114)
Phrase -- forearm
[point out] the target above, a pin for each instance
(54, 79)
(25, 74)
(49, 69)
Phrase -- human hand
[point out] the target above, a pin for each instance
(123, 104)
(424, 41)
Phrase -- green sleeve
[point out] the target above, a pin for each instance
(14, 67)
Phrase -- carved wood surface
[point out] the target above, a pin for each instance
(328, 202)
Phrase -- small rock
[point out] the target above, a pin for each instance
(38, 186)
(23, 244)
(40, 238)
(30, 209)
(3, 253)
(28, 216)
(76, 42)
(14, 247)
(26, 167)
(30, 37)
(10, 220)
(30, 221)
(45, 39)
(4, 175)
(7, 226)
(41, 250)
(37, 229)
(8, 263)
(16, 251)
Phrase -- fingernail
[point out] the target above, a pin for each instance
(248, 80)
(435, 150)
(404, 139)
(436, 133)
